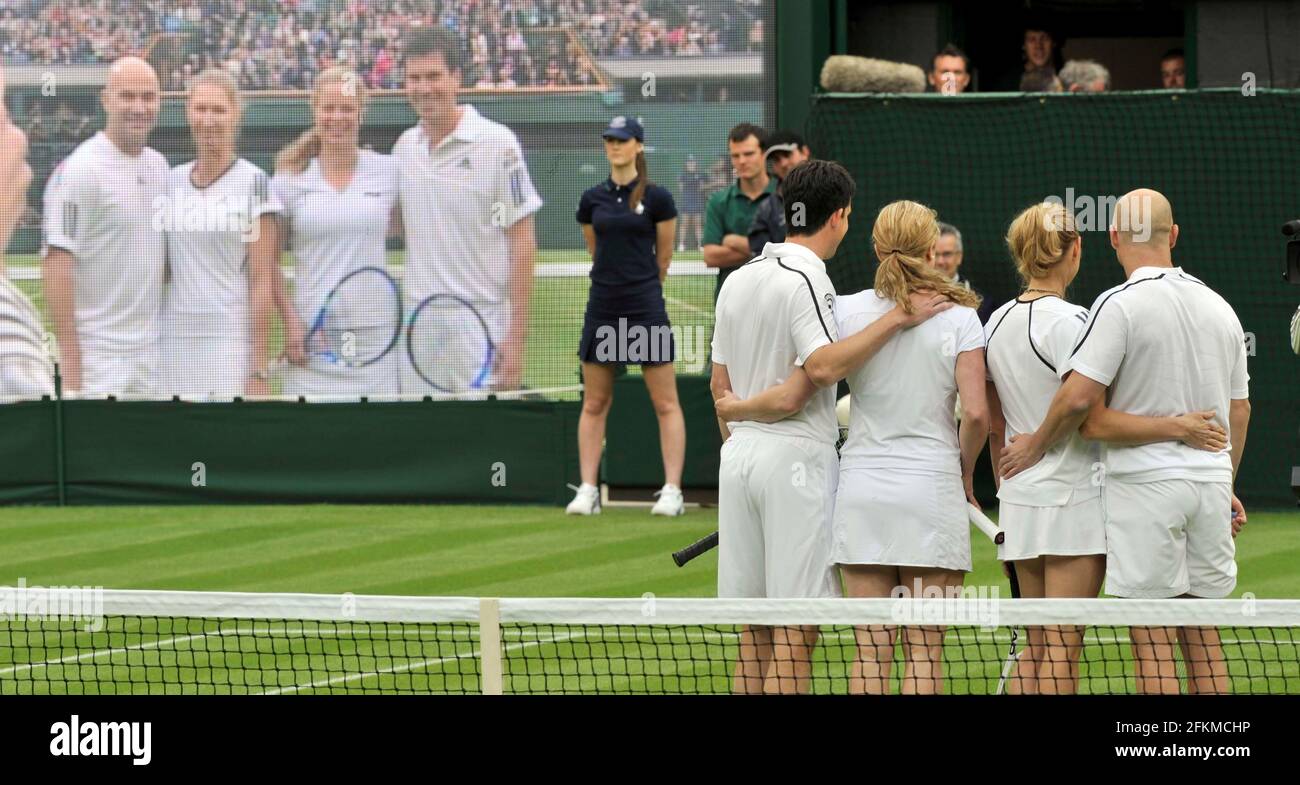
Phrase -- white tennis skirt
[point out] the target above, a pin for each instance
(1076, 528)
(903, 518)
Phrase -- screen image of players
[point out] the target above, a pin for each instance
(219, 215)
(1163, 341)
(467, 204)
(104, 252)
(339, 205)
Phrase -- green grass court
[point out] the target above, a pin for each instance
(474, 551)
(558, 304)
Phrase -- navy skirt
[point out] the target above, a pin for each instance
(639, 335)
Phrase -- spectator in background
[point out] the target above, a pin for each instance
(1041, 82)
(948, 252)
(690, 189)
(1085, 76)
(730, 212)
(785, 150)
(1173, 70)
(1041, 51)
(950, 74)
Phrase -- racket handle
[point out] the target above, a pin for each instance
(680, 558)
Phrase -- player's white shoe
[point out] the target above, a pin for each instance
(585, 502)
(670, 502)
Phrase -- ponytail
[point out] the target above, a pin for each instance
(295, 158)
(642, 175)
(903, 234)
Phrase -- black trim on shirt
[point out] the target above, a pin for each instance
(1102, 304)
(1029, 336)
(811, 293)
(216, 179)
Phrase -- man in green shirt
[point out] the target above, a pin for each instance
(730, 212)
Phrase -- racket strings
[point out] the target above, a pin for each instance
(450, 345)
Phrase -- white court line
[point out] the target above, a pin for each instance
(687, 306)
(90, 655)
(410, 666)
(161, 642)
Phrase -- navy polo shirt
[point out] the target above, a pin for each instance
(625, 270)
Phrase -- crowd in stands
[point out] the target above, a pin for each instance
(1045, 69)
(282, 44)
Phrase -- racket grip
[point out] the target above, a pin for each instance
(680, 558)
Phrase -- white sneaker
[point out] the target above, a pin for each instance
(586, 502)
(670, 502)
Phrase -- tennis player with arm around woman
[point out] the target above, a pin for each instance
(629, 225)
(221, 255)
(906, 469)
(340, 203)
(1052, 512)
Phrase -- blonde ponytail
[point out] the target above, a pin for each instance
(904, 234)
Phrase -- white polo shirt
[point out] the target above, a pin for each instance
(903, 398)
(100, 206)
(333, 233)
(772, 314)
(1166, 344)
(457, 201)
(1029, 347)
(208, 235)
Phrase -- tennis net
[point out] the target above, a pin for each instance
(143, 642)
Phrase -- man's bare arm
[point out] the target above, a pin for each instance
(60, 295)
(1069, 408)
(834, 361)
(771, 405)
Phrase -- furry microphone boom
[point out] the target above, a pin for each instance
(852, 74)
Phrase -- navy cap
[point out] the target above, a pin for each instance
(623, 127)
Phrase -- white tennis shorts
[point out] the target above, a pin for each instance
(1076, 528)
(130, 372)
(24, 377)
(203, 365)
(775, 496)
(1169, 538)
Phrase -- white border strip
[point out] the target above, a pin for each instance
(1002, 612)
(666, 611)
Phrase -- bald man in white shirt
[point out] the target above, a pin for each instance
(1161, 343)
(105, 251)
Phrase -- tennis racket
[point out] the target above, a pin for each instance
(697, 548)
(450, 345)
(359, 323)
(1013, 656)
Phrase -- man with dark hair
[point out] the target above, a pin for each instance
(467, 207)
(950, 74)
(1173, 70)
(784, 151)
(730, 212)
(777, 477)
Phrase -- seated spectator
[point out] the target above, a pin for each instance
(1173, 70)
(1085, 76)
(950, 73)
